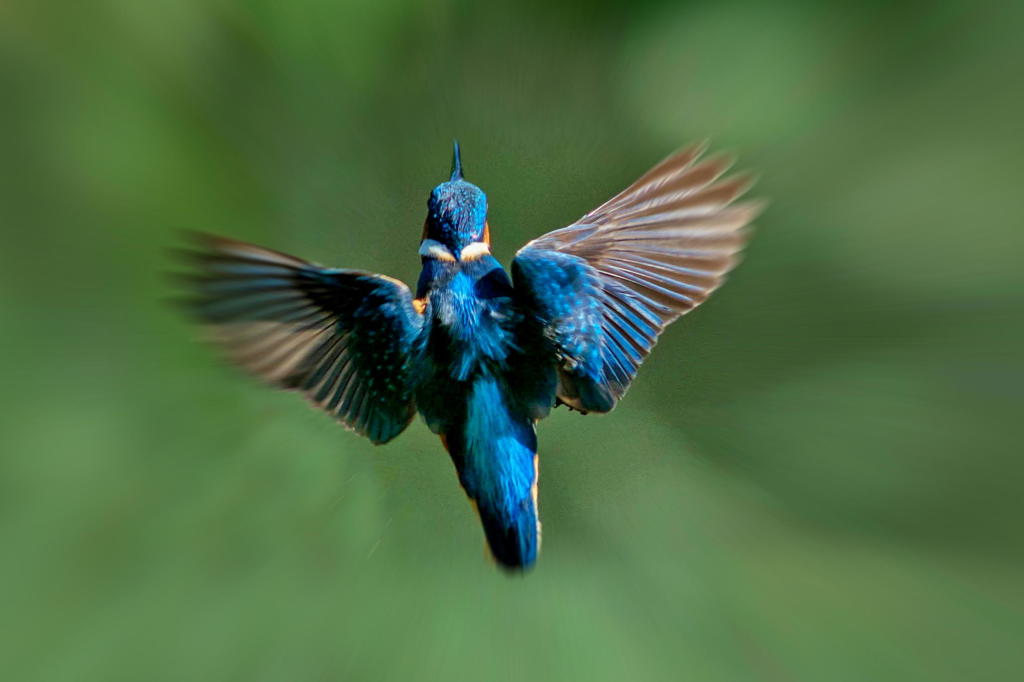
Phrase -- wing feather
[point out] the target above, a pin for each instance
(607, 285)
(343, 338)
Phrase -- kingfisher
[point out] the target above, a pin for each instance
(480, 353)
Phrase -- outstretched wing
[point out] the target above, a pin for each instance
(341, 337)
(605, 287)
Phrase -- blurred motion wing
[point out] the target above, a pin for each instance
(605, 287)
(341, 337)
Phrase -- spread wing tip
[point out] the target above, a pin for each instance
(607, 285)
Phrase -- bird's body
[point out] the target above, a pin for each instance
(483, 356)
(481, 394)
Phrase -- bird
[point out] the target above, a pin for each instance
(480, 353)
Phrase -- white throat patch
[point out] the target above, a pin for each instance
(475, 250)
(431, 248)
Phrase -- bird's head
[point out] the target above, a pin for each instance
(456, 226)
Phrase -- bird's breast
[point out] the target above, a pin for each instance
(467, 332)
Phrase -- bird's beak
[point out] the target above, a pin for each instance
(456, 163)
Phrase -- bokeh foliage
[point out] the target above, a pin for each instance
(817, 476)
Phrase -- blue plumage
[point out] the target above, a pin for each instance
(456, 211)
(480, 356)
(499, 470)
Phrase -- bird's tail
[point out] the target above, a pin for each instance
(495, 455)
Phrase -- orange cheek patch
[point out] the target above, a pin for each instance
(487, 233)
(420, 304)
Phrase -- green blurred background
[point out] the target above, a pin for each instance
(817, 476)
